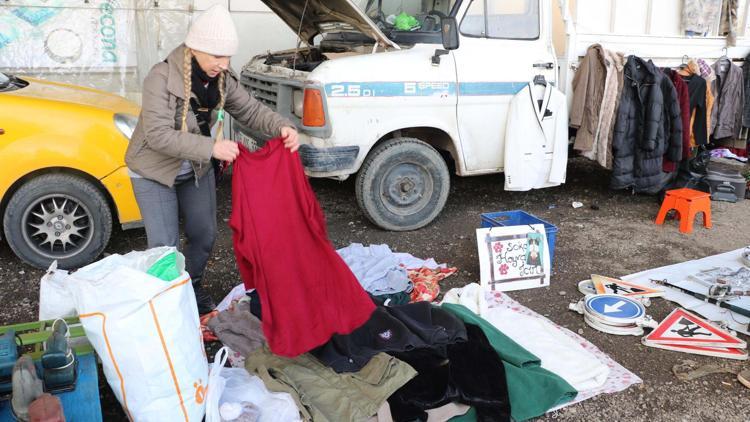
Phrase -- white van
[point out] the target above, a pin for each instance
(401, 107)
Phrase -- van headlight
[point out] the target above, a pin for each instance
(125, 123)
(298, 99)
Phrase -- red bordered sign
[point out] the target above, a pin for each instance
(684, 328)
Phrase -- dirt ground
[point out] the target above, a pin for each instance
(617, 238)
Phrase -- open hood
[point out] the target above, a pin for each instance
(321, 12)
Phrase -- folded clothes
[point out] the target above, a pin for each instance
(376, 268)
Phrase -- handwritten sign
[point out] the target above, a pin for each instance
(513, 258)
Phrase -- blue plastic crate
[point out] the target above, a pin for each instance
(521, 218)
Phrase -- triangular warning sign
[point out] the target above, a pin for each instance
(721, 352)
(609, 285)
(683, 328)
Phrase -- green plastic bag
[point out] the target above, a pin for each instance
(406, 22)
(165, 268)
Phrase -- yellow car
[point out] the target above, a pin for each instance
(63, 180)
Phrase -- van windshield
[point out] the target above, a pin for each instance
(416, 16)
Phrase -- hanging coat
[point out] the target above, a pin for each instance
(729, 104)
(588, 91)
(610, 103)
(746, 91)
(697, 91)
(646, 128)
(536, 139)
(307, 292)
(683, 98)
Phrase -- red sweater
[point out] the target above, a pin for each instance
(307, 292)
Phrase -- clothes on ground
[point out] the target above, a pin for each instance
(302, 306)
(238, 329)
(376, 268)
(400, 298)
(558, 353)
(426, 282)
(392, 329)
(536, 138)
(532, 389)
(323, 395)
(470, 372)
(725, 153)
(208, 335)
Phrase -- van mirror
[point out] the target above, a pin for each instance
(449, 29)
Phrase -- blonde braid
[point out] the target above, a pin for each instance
(187, 74)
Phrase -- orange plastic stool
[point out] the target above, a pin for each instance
(688, 203)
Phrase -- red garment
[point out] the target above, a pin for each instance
(307, 292)
(683, 97)
(426, 282)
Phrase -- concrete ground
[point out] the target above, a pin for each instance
(617, 238)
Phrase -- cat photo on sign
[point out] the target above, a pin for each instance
(514, 257)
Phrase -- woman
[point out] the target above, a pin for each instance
(169, 155)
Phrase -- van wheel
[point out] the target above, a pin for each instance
(403, 184)
(58, 217)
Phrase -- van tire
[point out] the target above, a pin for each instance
(73, 210)
(403, 184)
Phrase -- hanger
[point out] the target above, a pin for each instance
(540, 80)
(684, 64)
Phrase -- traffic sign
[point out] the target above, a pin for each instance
(682, 327)
(620, 310)
(722, 352)
(608, 285)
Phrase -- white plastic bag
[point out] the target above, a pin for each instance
(55, 300)
(147, 333)
(236, 385)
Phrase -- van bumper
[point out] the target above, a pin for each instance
(326, 160)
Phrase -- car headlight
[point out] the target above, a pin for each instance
(125, 123)
(297, 102)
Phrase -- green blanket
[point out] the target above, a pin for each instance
(532, 389)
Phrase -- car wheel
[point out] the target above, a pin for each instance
(403, 184)
(57, 217)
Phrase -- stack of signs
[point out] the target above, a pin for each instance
(683, 331)
(513, 257)
(614, 314)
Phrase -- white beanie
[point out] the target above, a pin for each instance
(213, 32)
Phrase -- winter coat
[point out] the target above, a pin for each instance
(726, 120)
(602, 151)
(683, 98)
(699, 15)
(588, 91)
(158, 147)
(648, 127)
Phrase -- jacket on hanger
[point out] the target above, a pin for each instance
(536, 139)
(730, 100)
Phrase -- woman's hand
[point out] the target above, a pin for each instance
(226, 150)
(290, 137)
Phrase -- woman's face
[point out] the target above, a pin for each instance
(212, 65)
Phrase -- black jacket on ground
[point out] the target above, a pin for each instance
(392, 329)
(648, 126)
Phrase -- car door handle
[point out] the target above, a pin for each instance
(548, 65)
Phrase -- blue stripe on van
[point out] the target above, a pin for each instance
(420, 89)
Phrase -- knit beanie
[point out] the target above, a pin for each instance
(213, 32)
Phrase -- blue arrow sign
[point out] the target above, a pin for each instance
(614, 306)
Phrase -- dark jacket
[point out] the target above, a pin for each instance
(683, 96)
(648, 127)
(746, 89)
(728, 86)
(697, 96)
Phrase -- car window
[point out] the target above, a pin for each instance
(507, 19)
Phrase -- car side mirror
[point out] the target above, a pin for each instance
(449, 30)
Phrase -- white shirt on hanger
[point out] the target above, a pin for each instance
(536, 139)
